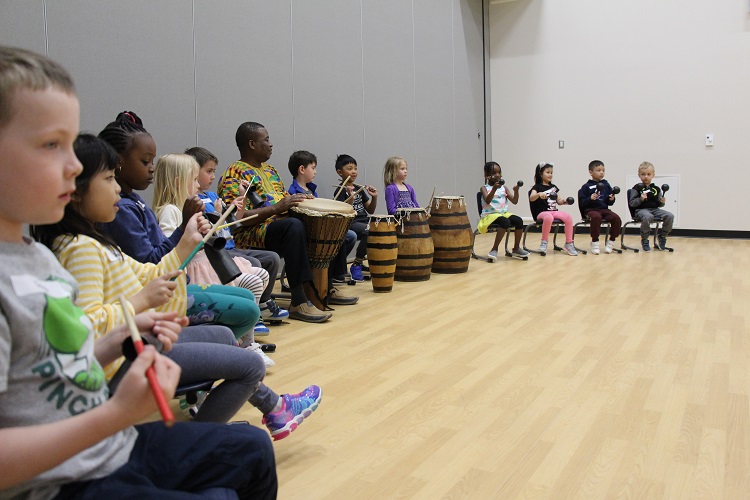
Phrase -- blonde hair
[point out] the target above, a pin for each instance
(644, 166)
(24, 70)
(173, 176)
(390, 169)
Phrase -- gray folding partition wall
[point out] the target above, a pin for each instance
(371, 78)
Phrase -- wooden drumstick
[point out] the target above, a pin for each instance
(336, 194)
(351, 197)
(161, 401)
(432, 196)
(236, 222)
(207, 237)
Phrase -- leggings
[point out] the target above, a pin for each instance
(268, 260)
(222, 305)
(548, 216)
(209, 352)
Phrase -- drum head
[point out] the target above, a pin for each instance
(323, 206)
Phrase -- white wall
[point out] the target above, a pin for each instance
(626, 82)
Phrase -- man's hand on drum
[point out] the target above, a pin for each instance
(291, 201)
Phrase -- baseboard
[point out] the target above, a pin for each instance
(683, 233)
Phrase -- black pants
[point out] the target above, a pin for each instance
(288, 238)
(190, 460)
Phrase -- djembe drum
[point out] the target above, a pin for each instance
(451, 234)
(382, 251)
(415, 247)
(326, 222)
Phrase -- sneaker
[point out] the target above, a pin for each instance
(357, 273)
(595, 248)
(270, 311)
(644, 244)
(661, 242)
(570, 249)
(492, 256)
(336, 298)
(294, 409)
(308, 312)
(340, 280)
(543, 247)
(609, 247)
(260, 329)
(192, 410)
(519, 253)
(255, 347)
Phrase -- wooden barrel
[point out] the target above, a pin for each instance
(451, 235)
(382, 251)
(415, 248)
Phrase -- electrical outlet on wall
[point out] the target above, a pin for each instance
(709, 139)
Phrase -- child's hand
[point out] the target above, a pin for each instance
(662, 200)
(612, 197)
(134, 397)
(371, 191)
(595, 196)
(195, 228)
(165, 326)
(219, 206)
(516, 187)
(192, 206)
(156, 292)
(244, 186)
(543, 196)
(644, 195)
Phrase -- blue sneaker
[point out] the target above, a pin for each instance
(644, 244)
(260, 329)
(294, 409)
(270, 311)
(356, 272)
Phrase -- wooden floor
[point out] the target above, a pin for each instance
(610, 376)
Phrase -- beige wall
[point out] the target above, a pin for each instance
(625, 82)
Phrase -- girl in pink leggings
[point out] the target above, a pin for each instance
(544, 198)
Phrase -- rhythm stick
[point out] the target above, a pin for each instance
(236, 222)
(429, 203)
(354, 194)
(200, 245)
(161, 401)
(336, 194)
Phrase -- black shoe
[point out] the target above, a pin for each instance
(340, 280)
(335, 298)
(268, 347)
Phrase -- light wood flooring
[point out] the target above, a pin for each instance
(609, 376)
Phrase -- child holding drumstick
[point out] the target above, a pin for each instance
(84, 443)
(105, 274)
(364, 199)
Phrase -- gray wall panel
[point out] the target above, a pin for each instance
(22, 24)
(135, 61)
(328, 112)
(387, 34)
(469, 97)
(369, 78)
(244, 73)
(433, 63)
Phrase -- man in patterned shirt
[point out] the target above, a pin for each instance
(273, 229)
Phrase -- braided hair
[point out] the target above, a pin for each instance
(121, 132)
